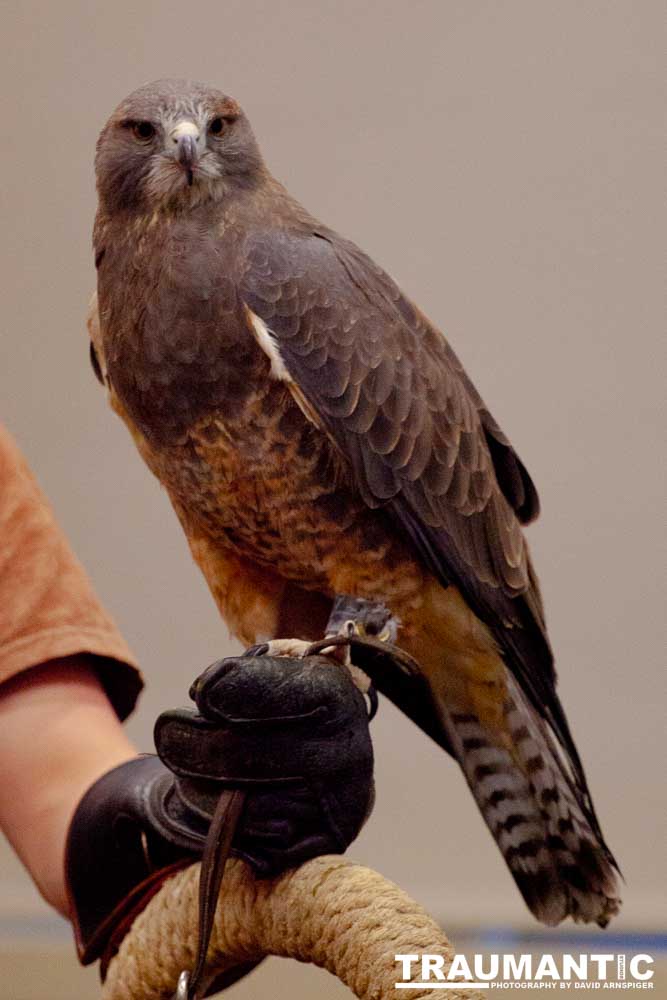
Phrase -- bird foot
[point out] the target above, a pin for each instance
(300, 648)
(297, 648)
(350, 616)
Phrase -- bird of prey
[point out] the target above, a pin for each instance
(317, 436)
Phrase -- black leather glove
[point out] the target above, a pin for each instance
(292, 734)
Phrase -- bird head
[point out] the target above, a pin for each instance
(174, 144)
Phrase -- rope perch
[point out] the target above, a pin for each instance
(341, 916)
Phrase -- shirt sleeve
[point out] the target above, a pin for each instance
(48, 608)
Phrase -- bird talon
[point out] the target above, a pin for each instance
(259, 649)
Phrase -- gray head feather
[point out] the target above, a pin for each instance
(174, 144)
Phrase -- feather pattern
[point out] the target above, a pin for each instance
(527, 795)
(425, 444)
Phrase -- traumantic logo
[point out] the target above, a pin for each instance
(544, 972)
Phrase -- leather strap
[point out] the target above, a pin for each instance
(214, 859)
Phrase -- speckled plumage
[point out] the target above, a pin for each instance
(317, 436)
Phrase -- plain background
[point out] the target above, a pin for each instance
(504, 162)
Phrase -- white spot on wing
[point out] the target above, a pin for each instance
(279, 371)
(95, 332)
(267, 342)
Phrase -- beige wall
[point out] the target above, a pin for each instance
(502, 160)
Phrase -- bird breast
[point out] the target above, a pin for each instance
(175, 336)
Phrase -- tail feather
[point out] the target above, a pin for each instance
(538, 812)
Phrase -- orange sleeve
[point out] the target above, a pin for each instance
(48, 608)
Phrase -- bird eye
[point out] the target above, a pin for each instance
(143, 130)
(216, 127)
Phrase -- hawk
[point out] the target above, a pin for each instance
(317, 436)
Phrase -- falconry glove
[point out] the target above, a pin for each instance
(277, 754)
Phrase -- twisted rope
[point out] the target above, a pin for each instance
(341, 916)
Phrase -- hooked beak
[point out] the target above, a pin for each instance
(185, 137)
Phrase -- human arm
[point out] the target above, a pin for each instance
(66, 678)
(58, 734)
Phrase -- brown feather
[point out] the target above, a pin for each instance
(337, 448)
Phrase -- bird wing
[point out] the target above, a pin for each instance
(388, 389)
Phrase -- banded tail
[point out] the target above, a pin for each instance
(539, 811)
